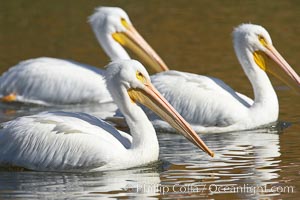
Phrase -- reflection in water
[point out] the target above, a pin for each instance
(242, 158)
(71, 185)
(11, 111)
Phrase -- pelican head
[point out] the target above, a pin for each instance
(257, 43)
(130, 79)
(114, 29)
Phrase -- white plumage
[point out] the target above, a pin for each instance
(57, 81)
(210, 105)
(59, 141)
(195, 97)
(65, 141)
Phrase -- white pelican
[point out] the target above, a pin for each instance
(63, 141)
(210, 105)
(57, 81)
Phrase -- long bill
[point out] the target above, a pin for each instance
(151, 98)
(285, 72)
(135, 42)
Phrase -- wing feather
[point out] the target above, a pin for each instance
(60, 140)
(54, 81)
(201, 100)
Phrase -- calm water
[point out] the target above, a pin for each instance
(192, 36)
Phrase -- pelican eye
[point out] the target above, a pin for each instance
(124, 23)
(262, 40)
(140, 77)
